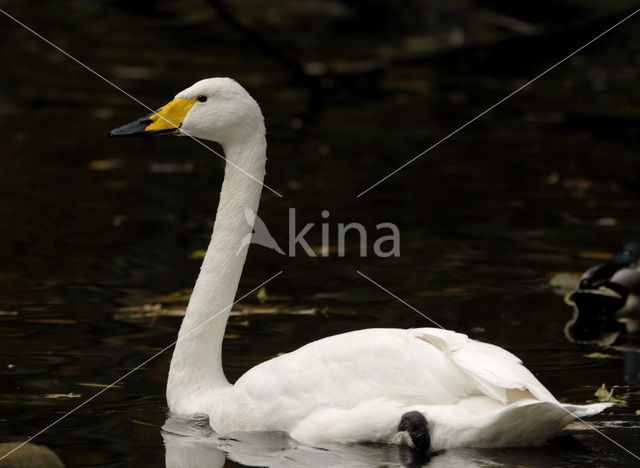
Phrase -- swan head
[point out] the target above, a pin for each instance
(216, 109)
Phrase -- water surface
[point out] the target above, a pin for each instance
(90, 226)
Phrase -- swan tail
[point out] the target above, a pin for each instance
(523, 423)
(584, 411)
(544, 420)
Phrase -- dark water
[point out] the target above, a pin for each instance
(90, 225)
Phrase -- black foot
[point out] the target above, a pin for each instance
(415, 424)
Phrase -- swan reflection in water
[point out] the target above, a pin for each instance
(190, 443)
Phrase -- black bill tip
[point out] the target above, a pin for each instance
(133, 129)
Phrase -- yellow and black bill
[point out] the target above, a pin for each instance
(165, 121)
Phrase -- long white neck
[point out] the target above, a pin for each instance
(196, 367)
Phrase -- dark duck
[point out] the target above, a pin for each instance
(606, 303)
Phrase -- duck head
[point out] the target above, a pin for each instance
(629, 253)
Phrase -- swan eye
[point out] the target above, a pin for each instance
(202, 98)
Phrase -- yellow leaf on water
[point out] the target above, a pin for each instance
(261, 309)
(104, 164)
(605, 395)
(608, 221)
(325, 250)
(262, 294)
(178, 296)
(197, 254)
(605, 256)
(602, 392)
(602, 356)
(142, 423)
(97, 385)
(174, 312)
(56, 396)
(263, 297)
(329, 295)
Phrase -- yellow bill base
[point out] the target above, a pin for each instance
(170, 116)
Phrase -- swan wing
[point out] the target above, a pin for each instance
(496, 372)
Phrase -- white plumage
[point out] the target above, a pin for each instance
(353, 387)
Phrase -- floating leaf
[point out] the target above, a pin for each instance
(178, 296)
(262, 294)
(605, 256)
(177, 302)
(605, 395)
(602, 392)
(608, 221)
(197, 254)
(263, 297)
(143, 311)
(329, 295)
(97, 385)
(56, 396)
(326, 250)
(142, 423)
(174, 312)
(264, 310)
(602, 356)
(105, 164)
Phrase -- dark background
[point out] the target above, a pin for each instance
(350, 90)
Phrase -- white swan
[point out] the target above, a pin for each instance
(427, 388)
